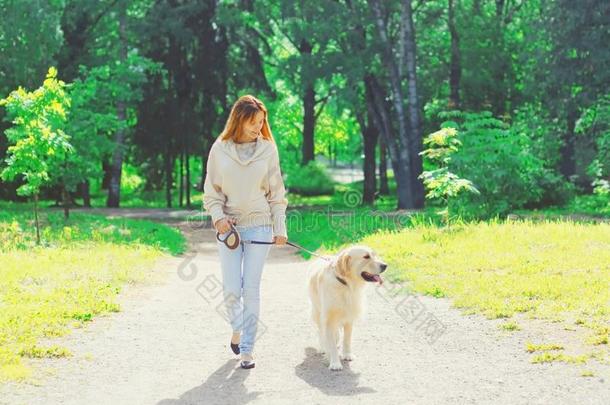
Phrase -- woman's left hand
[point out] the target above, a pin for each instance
(280, 240)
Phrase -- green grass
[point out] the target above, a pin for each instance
(509, 326)
(17, 230)
(531, 347)
(147, 199)
(582, 205)
(548, 357)
(553, 270)
(72, 277)
(501, 268)
(329, 228)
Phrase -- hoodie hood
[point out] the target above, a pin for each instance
(264, 150)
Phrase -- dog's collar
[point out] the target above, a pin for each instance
(340, 280)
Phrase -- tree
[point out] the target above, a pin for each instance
(441, 182)
(405, 146)
(39, 145)
(578, 61)
(91, 122)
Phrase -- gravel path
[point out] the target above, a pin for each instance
(169, 345)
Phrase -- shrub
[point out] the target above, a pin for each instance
(504, 164)
(311, 179)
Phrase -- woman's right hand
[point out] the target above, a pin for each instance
(224, 224)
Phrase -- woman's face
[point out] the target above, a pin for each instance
(252, 129)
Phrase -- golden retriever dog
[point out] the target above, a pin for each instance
(336, 292)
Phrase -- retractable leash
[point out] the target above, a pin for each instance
(233, 239)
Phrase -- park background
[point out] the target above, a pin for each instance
(476, 131)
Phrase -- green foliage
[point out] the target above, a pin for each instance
(16, 234)
(70, 280)
(525, 61)
(533, 122)
(30, 37)
(502, 162)
(93, 119)
(595, 124)
(311, 179)
(440, 182)
(39, 145)
(595, 204)
(331, 228)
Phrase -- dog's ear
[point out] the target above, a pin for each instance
(343, 263)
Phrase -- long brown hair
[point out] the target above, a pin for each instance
(245, 108)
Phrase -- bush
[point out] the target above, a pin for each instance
(503, 164)
(555, 190)
(311, 179)
(595, 124)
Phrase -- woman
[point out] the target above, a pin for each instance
(243, 188)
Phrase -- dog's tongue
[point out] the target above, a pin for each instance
(377, 278)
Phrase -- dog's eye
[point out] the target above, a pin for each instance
(367, 256)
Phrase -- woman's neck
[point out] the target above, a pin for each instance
(242, 141)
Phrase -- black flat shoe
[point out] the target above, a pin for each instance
(235, 347)
(247, 364)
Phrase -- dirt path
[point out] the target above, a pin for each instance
(169, 345)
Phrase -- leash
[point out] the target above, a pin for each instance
(233, 239)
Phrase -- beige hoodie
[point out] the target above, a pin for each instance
(251, 191)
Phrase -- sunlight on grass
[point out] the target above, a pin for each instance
(73, 276)
(531, 347)
(327, 228)
(17, 230)
(45, 291)
(549, 270)
(509, 326)
(549, 357)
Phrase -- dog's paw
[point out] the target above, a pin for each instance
(348, 357)
(335, 366)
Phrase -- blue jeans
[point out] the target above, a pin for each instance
(244, 317)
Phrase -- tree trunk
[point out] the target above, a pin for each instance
(181, 176)
(382, 119)
(455, 69)
(369, 140)
(309, 103)
(114, 189)
(168, 177)
(106, 167)
(84, 187)
(36, 219)
(501, 64)
(204, 160)
(308, 125)
(374, 125)
(399, 148)
(384, 188)
(65, 197)
(258, 79)
(188, 181)
(568, 163)
(415, 123)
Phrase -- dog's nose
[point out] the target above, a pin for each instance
(383, 267)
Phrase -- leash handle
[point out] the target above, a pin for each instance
(232, 232)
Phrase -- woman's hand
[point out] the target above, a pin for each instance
(280, 240)
(224, 224)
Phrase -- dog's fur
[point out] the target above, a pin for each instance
(334, 304)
